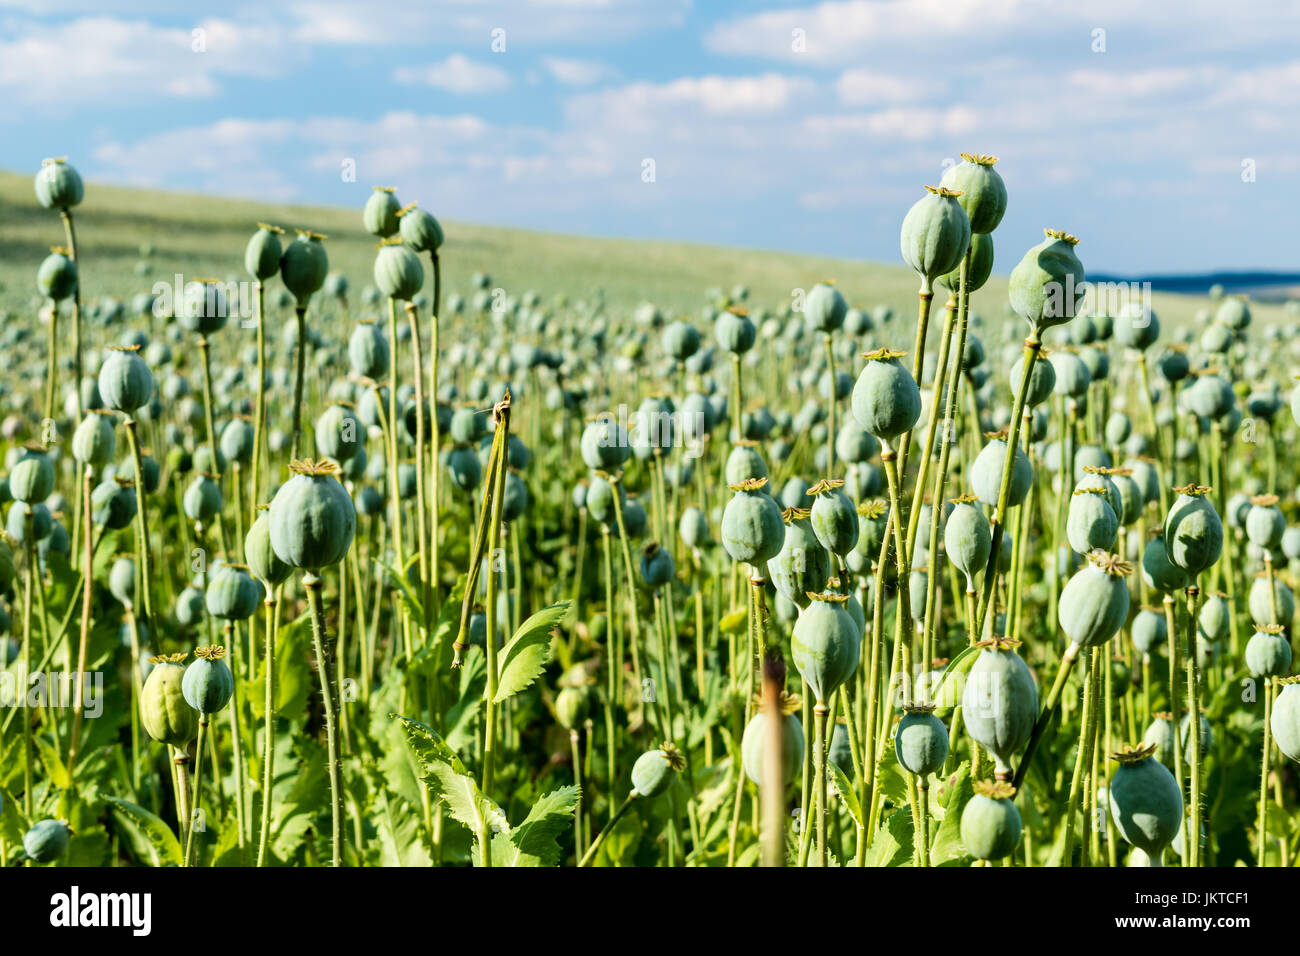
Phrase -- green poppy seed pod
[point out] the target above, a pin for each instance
(236, 443)
(31, 480)
(802, 566)
(834, 517)
(232, 593)
(570, 707)
(262, 560)
(921, 741)
(1091, 522)
(380, 214)
(1081, 329)
(657, 569)
(1213, 618)
(1260, 600)
(202, 499)
(121, 581)
(986, 473)
(967, 538)
(1160, 734)
(113, 504)
(982, 193)
(47, 840)
(368, 352)
(57, 276)
(1047, 285)
(263, 252)
(1146, 802)
(167, 716)
(839, 752)
(752, 530)
(635, 519)
(125, 382)
(604, 444)
(471, 424)
(1118, 428)
(1184, 734)
(1149, 631)
(1094, 603)
(1233, 313)
(825, 644)
(680, 340)
(95, 441)
(744, 463)
(990, 822)
(514, 497)
(1042, 380)
(1136, 326)
(1131, 497)
(421, 232)
(855, 445)
(464, 467)
(1268, 653)
(824, 308)
(735, 331)
(340, 434)
(1285, 722)
(1158, 571)
(694, 528)
(1265, 523)
(208, 684)
(1072, 377)
(398, 272)
(1000, 701)
(981, 266)
(58, 185)
(753, 744)
(655, 770)
(16, 522)
(1193, 531)
(312, 517)
(935, 234)
(304, 265)
(6, 572)
(872, 522)
(886, 400)
(205, 307)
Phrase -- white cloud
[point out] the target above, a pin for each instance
(766, 93)
(97, 59)
(456, 74)
(861, 87)
(573, 72)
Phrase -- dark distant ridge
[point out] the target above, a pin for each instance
(1263, 285)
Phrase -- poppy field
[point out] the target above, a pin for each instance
(354, 538)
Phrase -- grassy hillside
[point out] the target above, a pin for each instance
(205, 236)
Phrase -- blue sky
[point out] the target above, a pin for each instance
(806, 127)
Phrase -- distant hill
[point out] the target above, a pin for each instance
(1264, 286)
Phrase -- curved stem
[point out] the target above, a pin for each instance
(605, 830)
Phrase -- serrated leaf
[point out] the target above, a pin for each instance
(53, 763)
(533, 842)
(840, 783)
(892, 845)
(402, 840)
(165, 849)
(529, 651)
(450, 782)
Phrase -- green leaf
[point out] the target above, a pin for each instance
(293, 678)
(840, 783)
(534, 842)
(402, 841)
(164, 848)
(892, 845)
(957, 791)
(960, 664)
(450, 782)
(529, 651)
(405, 593)
(53, 763)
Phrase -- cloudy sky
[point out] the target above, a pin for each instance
(1168, 140)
